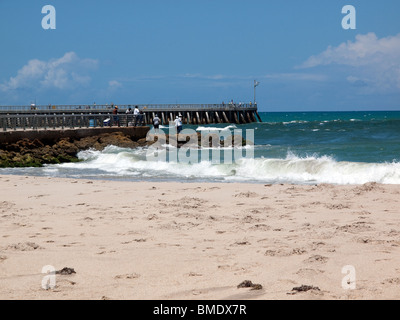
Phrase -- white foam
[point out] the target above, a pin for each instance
(292, 169)
(323, 169)
(294, 121)
(216, 129)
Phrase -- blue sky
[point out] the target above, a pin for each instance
(201, 51)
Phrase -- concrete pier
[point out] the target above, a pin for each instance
(84, 115)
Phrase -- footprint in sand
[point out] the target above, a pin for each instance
(337, 206)
(250, 219)
(225, 267)
(284, 252)
(391, 233)
(394, 281)
(261, 227)
(362, 213)
(152, 217)
(314, 203)
(127, 276)
(25, 246)
(39, 196)
(317, 245)
(356, 227)
(275, 253)
(316, 259)
(104, 252)
(241, 243)
(23, 225)
(246, 195)
(309, 273)
(367, 187)
(63, 285)
(6, 205)
(297, 251)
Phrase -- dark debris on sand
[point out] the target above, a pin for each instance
(249, 284)
(66, 271)
(303, 288)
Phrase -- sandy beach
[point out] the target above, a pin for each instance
(145, 240)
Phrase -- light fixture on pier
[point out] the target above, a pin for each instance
(256, 83)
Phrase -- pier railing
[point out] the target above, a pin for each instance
(65, 121)
(109, 107)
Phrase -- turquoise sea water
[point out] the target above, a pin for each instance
(344, 136)
(290, 147)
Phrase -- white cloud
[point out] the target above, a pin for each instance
(66, 72)
(371, 62)
(366, 49)
(114, 84)
(295, 77)
(273, 76)
(207, 77)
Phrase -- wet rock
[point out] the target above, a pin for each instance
(35, 153)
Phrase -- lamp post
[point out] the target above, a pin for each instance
(256, 83)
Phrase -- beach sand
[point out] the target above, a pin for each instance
(154, 240)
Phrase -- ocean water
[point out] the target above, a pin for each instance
(289, 147)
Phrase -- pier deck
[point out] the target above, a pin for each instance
(93, 116)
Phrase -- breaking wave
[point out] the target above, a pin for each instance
(132, 164)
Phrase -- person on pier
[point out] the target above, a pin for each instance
(178, 124)
(129, 116)
(115, 117)
(156, 123)
(136, 113)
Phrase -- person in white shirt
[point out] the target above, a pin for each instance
(128, 113)
(178, 124)
(136, 114)
(156, 123)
